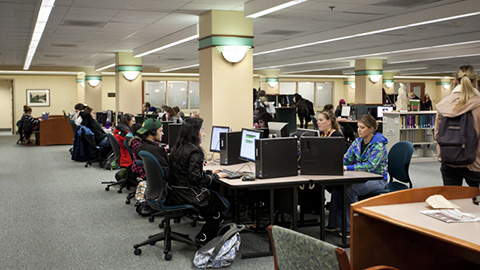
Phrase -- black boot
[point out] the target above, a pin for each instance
(210, 229)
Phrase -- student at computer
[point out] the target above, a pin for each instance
(171, 115)
(134, 140)
(147, 107)
(190, 184)
(179, 112)
(120, 133)
(27, 114)
(88, 120)
(338, 111)
(328, 125)
(151, 133)
(464, 98)
(261, 121)
(79, 107)
(367, 153)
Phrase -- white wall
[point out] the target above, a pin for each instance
(5, 104)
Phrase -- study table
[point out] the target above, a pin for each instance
(288, 187)
(389, 230)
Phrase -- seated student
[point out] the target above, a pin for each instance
(179, 112)
(329, 107)
(79, 107)
(190, 184)
(328, 125)
(134, 140)
(120, 133)
(27, 114)
(367, 153)
(171, 115)
(151, 133)
(261, 121)
(146, 107)
(88, 120)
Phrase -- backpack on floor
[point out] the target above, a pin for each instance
(458, 139)
(222, 250)
(110, 162)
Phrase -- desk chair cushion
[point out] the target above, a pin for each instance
(294, 250)
(399, 159)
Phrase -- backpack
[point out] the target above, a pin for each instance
(25, 129)
(221, 250)
(111, 163)
(458, 139)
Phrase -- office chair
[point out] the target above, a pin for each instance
(399, 159)
(294, 250)
(155, 195)
(124, 181)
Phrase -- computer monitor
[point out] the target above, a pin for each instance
(247, 143)
(139, 119)
(173, 132)
(151, 115)
(382, 109)
(302, 132)
(345, 112)
(165, 131)
(101, 118)
(215, 138)
(278, 129)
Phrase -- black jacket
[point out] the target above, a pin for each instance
(93, 125)
(188, 180)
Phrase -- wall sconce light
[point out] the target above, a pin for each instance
(272, 82)
(129, 72)
(233, 54)
(352, 85)
(388, 83)
(93, 81)
(446, 86)
(375, 78)
(81, 82)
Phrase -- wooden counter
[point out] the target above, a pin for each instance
(55, 131)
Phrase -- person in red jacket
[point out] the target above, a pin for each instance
(120, 133)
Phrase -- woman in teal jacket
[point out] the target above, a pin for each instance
(367, 153)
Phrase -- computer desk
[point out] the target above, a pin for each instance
(291, 183)
(389, 230)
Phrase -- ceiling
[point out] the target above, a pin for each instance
(87, 33)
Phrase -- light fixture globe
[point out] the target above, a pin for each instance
(130, 75)
(389, 84)
(352, 85)
(446, 86)
(82, 84)
(233, 54)
(375, 78)
(94, 82)
(272, 84)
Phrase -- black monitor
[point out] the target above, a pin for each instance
(165, 131)
(173, 132)
(278, 129)
(302, 132)
(345, 111)
(101, 118)
(266, 132)
(215, 138)
(151, 115)
(247, 143)
(139, 119)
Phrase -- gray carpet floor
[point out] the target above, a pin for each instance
(55, 214)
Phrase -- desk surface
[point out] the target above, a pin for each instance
(408, 214)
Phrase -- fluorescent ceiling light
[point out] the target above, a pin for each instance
(177, 68)
(418, 77)
(315, 76)
(370, 33)
(43, 14)
(317, 69)
(168, 45)
(434, 58)
(105, 67)
(171, 74)
(24, 72)
(269, 10)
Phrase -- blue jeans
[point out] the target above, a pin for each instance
(353, 192)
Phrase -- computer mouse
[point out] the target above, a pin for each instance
(248, 178)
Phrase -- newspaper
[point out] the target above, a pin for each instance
(451, 215)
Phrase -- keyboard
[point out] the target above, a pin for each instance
(231, 174)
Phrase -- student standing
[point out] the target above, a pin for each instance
(464, 98)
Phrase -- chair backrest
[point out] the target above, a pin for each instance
(115, 147)
(156, 186)
(73, 125)
(399, 162)
(294, 250)
(128, 149)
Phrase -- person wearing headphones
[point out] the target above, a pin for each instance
(151, 133)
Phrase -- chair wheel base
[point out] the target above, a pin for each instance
(137, 251)
(168, 257)
(127, 201)
(107, 188)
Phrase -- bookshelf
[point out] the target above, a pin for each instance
(416, 127)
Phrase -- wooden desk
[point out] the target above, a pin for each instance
(389, 230)
(55, 131)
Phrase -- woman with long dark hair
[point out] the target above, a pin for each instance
(190, 184)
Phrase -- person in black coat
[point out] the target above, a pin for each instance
(190, 184)
(88, 121)
(303, 109)
(426, 104)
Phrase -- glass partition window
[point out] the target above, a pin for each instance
(194, 95)
(178, 94)
(324, 94)
(288, 88)
(306, 90)
(155, 93)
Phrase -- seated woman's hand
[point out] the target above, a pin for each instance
(222, 175)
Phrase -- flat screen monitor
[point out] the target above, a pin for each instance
(173, 132)
(381, 109)
(165, 131)
(215, 138)
(151, 115)
(278, 129)
(101, 118)
(139, 119)
(345, 112)
(302, 132)
(247, 143)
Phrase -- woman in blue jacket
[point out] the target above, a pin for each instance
(367, 153)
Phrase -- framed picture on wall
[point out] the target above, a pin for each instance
(38, 98)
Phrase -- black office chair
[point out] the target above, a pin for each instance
(124, 180)
(155, 195)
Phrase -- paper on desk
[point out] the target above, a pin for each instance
(439, 202)
(451, 215)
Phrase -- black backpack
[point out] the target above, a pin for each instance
(458, 139)
(25, 129)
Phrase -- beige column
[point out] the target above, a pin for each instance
(270, 81)
(93, 91)
(225, 88)
(81, 87)
(349, 90)
(128, 83)
(367, 91)
(443, 88)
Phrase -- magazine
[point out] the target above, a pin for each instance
(451, 215)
